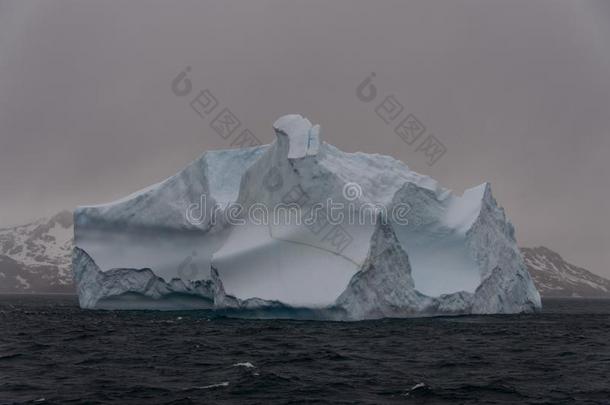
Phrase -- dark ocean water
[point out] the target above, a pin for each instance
(53, 352)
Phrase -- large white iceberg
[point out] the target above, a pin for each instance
(300, 228)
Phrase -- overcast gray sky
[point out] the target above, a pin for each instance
(518, 91)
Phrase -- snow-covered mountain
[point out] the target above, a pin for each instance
(36, 257)
(422, 251)
(554, 277)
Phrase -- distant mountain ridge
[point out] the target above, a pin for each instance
(554, 277)
(36, 258)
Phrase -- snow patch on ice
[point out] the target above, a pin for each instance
(303, 138)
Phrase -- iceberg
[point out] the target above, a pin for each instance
(301, 228)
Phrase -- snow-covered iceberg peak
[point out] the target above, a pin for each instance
(212, 230)
(297, 135)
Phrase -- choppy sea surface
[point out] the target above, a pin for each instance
(53, 352)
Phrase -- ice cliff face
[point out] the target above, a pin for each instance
(223, 231)
(383, 287)
(491, 239)
(142, 289)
